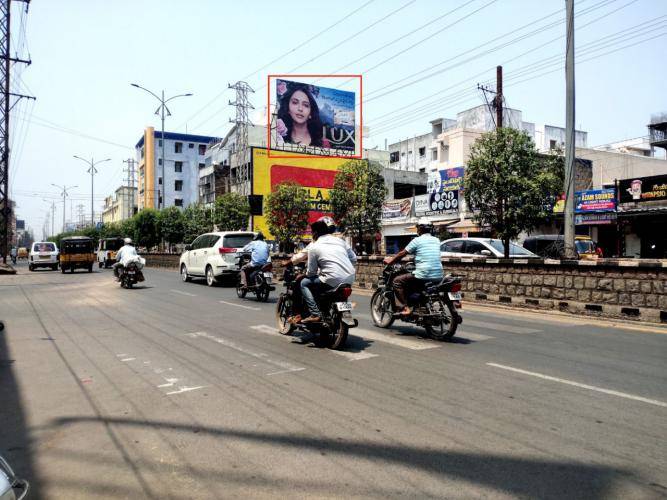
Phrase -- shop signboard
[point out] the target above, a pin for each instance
(595, 219)
(653, 188)
(422, 203)
(396, 209)
(592, 200)
(449, 179)
(434, 204)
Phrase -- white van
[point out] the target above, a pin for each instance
(43, 254)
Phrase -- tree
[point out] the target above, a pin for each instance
(357, 196)
(146, 228)
(508, 184)
(287, 215)
(196, 220)
(171, 225)
(231, 212)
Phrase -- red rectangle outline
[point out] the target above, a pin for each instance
(361, 117)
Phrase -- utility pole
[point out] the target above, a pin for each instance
(499, 97)
(5, 108)
(161, 110)
(64, 194)
(92, 171)
(568, 212)
(53, 215)
(242, 122)
(130, 183)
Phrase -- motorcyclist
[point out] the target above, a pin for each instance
(125, 252)
(259, 256)
(428, 267)
(330, 263)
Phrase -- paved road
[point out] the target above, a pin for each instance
(177, 390)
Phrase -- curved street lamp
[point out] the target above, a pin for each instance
(92, 171)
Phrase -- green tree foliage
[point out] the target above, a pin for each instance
(508, 184)
(146, 228)
(287, 216)
(357, 197)
(196, 220)
(171, 225)
(231, 212)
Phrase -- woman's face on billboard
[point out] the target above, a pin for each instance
(299, 107)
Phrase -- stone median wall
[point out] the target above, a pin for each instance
(634, 289)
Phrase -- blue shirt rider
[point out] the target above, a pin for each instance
(259, 256)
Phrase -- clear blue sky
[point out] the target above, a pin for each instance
(86, 52)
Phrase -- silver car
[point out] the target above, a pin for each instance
(482, 247)
(43, 254)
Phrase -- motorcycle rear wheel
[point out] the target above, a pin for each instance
(240, 291)
(381, 311)
(338, 338)
(446, 329)
(262, 294)
(283, 313)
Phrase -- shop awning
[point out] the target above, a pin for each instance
(464, 226)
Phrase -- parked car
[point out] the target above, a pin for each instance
(106, 251)
(43, 254)
(489, 247)
(551, 246)
(213, 256)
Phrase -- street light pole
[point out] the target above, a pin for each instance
(53, 215)
(64, 195)
(92, 171)
(161, 110)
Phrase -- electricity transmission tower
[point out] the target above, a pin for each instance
(241, 153)
(5, 108)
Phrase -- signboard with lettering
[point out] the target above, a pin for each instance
(592, 200)
(595, 219)
(396, 209)
(446, 203)
(449, 179)
(651, 188)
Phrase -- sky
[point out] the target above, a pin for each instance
(420, 60)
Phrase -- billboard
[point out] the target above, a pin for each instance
(20, 224)
(592, 200)
(433, 204)
(315, 173)
(449, 179)
(651, 188)
(395, 210)
(310, 115)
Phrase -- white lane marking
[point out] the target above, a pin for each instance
(500, 327)
(185, 389)
(583, 386)
(240, 305)
(170, 382)
(183, 293)
(407, 343)
(352, 356)
(121, 355)
(283, 365)
(285, 371)
(128, 359)
(473, 336)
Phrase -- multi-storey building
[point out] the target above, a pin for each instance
(121, 205)
(183, 159)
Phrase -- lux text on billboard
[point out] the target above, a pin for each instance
(309, 115)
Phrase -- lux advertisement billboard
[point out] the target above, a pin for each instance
(310, 115)
(315, 173)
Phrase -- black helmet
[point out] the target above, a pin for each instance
(258, 236)
(323, 225)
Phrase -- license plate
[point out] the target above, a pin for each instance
(44, 256)
(454, 296)
(344, 306)
(131, 272)
(268, 275)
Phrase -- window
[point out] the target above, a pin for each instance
(159, 161)
(198, 241)
(159, 180)
(410, 152)
(178, 185)
(142, 152)
(422, 152)
(402, 154)
(191, 145)
(159, 200)
(434, 155)
(159, 142)
(178, 166)
(202, 149)
(474, 247)
(514, 249)
(178, 202)
(552, 144)
(211, 240)
(393, 157)
(454, 246)
(178, 147)
(202, 165)
(237, 240)
(423, 169)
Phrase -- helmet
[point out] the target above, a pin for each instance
(127, 241)
(323, 225)
(424, 225)
(258, 236)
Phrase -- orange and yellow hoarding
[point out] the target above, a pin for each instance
(315, 173)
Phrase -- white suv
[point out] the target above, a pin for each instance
(43, 254)
(489, 247)
(213, 255)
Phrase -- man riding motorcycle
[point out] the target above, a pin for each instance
(125, 252)
(259, 256)
(428, 267)
(330, 263)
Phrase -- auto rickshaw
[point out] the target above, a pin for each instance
(106, 251)
(77, 252)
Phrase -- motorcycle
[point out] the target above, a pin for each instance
(11, 487)
(259, 280)
(130, 275)
(332, 330)
(434, 307)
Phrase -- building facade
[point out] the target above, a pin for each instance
(120, 206)
(183, 159)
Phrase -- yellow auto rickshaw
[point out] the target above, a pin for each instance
(77, 252)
